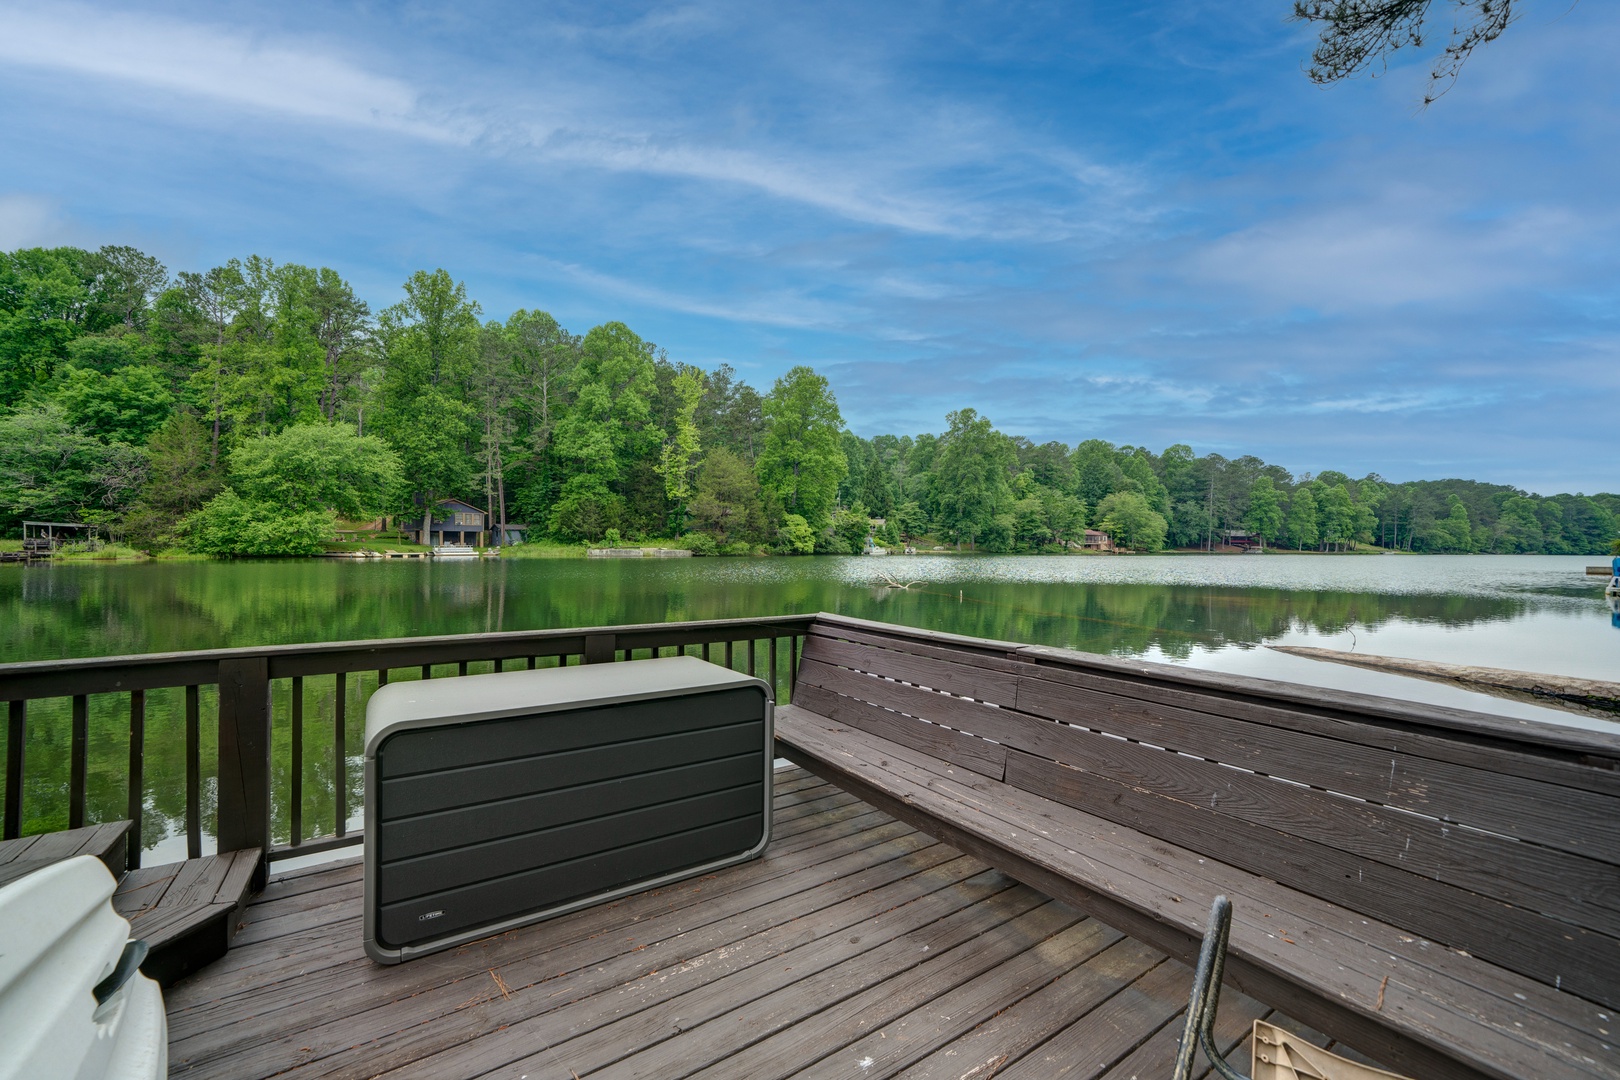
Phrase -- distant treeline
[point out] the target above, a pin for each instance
(252, 407)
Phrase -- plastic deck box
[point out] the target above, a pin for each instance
(495, 801)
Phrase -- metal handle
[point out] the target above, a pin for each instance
(128, 964)
(1206, 997)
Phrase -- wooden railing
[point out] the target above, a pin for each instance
(257, 691)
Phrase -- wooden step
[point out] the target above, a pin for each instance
(107, 842)
(186, 911)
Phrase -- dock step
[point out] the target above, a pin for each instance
(186, 911)
(107, 842)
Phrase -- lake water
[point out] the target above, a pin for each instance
(1534, 613)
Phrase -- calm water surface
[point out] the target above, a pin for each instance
(1536, 613)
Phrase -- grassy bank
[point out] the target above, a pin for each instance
(543, 549)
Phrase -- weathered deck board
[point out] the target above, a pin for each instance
(24, 855)
(854, 938)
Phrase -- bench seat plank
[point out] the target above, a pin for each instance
(1452, 1014)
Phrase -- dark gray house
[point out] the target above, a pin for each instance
(454, 522)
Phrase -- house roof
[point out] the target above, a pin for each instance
(456, 504)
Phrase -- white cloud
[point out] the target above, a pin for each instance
(1391, 252)
(783, 309)
(225, 66)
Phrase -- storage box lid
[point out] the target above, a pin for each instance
(522, 693)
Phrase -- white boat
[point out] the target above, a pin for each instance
(455, 551)
(73, 1003)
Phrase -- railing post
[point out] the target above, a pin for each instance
(78, 768)
(244, 758)
(599, 648)
(137, 775)
(16, 741)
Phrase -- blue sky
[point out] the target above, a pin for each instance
(1132, 222)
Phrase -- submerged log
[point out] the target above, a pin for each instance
(1566, 691)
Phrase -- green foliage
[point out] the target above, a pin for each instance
(125, 406)
(728, 505)
(232, 525)
(1127, 517)
(430, 341)
(796, 537)
(586, 510)
(179, 479)
(973, 476)
(678, 458)
(803, 462)
(852, 527)
(701, 544)
(1265, 514)
(1453, 533)
(318, 466)
(1301, 522)
(51, 470)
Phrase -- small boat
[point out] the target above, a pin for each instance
(455, 551)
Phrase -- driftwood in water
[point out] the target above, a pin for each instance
(1580, 695)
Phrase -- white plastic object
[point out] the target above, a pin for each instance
(59, 938)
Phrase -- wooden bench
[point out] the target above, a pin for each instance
(1439, 889)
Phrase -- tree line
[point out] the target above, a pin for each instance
(252, 408)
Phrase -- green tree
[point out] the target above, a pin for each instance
(318, 466)
(802, 462)
(731, 414)
(678, 458)
(1131, 521)
(796, 537)
(180, 479)
(51, 470)
(1454, 532)
(728, 505)
(1335, 513)
(207, 304)
(232, 525)
(1301, 527)
(972, 475)
(126, 406)
(430, 343)
(44, 306)
(852, 526)
(1265, 513)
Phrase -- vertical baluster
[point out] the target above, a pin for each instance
(80, 759)
(461, 669)
(16, 740)
(753, 644)
(532, 661)
(193, 776)
(382, 678)
(773, 667)
(730, 665)
(137, 773)
(295, 809)
(340, 764)
(427, 672)
(500, 664)
(793, 666)
(708, 649)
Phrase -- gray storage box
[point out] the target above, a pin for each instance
(494, 801)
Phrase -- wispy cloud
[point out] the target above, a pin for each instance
(214, 63)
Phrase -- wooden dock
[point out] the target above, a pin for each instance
(856, 947)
